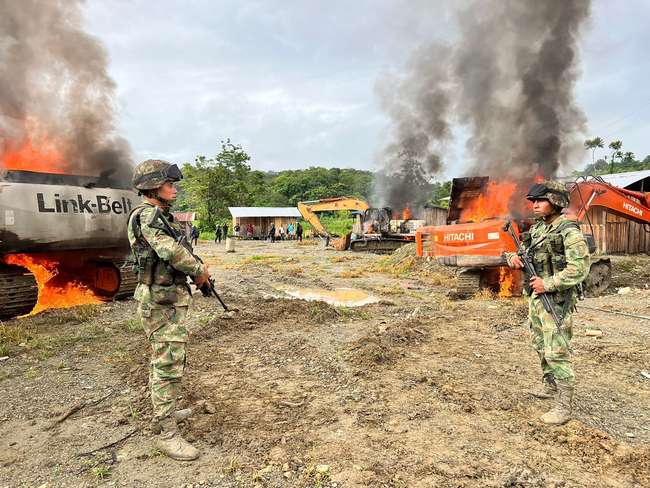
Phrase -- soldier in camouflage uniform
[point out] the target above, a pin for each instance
(561, 257)
(163, 266)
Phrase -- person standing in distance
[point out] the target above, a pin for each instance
(164, 296)
(561, 258)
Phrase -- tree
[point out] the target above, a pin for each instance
(593, 144)
(615, 146)
(212, 185)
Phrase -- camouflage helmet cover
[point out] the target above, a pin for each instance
(553, 191)
(154, 173)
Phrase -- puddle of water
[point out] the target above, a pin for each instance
(339, 297)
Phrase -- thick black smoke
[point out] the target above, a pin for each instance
(54, 87)
(509, 81)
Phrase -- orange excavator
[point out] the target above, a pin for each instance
(476, 245)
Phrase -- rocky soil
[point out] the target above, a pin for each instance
(415, 390)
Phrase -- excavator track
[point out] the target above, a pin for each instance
(469, 283)
(128, 280)
(378, 246)
(18, 291)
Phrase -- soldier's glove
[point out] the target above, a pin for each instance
(206, 287)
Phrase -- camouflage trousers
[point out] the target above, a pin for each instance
(167, 357)
(552, 347)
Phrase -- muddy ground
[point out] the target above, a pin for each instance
(416, 390)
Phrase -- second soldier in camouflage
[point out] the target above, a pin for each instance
(561, 257)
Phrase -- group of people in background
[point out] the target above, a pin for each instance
(292, 232)
(221, 231)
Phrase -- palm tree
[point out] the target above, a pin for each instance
(593, 144)
(615, 146)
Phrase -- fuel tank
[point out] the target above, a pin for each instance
(42, 212)
(63, 241)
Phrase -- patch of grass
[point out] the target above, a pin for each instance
(101, 472)
(346, 311)
(484, 294)
(308, 242)
(85, 313)
(14, 334)
(257, 259)
(261, 257)
(391, 290)
(317, 476)
(133, 325)
(342, 259)
(350, 273)
(133, 411)
(32, 373)
(234, 465)
(153, 452)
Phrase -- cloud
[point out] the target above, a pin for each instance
(294, 81)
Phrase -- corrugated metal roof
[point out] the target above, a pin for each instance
(621, 180)
(239, 212)
(625, 179)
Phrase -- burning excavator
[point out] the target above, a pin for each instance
(474, 238)
(62, 241)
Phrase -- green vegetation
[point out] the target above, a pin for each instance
(211, 185)
(616, 161)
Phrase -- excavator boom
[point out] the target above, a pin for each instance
(308, 210)
(593, 192)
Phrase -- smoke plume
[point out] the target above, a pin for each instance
(508, 82)
(56, 97)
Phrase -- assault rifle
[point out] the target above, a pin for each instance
(532, 272)
(207, 289)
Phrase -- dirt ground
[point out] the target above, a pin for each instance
(415, 390)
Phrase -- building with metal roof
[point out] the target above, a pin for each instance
(632, 180)
(242, 212)
(256, 222)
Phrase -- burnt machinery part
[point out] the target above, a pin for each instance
(112, 279)
(469, 283)
(128, 279)
(599, 278)
(18, 291)
(385, 245)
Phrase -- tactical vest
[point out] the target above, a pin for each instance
(549, 258)
(150, 269)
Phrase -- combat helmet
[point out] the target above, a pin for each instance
(154, 173)
(553, 191)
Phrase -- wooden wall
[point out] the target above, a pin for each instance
(435, 216)
(617, 235)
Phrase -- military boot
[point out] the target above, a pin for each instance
(179, 416)
(561, 412)
(171, 443)
(548, 388)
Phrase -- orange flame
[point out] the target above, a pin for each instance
(34, 151)
(407, 214)
(51, 295)
(506, 282)
(494, 202)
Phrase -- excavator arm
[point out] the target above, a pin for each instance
(590, 193)
(308, 210)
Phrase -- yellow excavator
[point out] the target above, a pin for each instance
(308, 211)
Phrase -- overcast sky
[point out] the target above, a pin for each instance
(294, 81)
